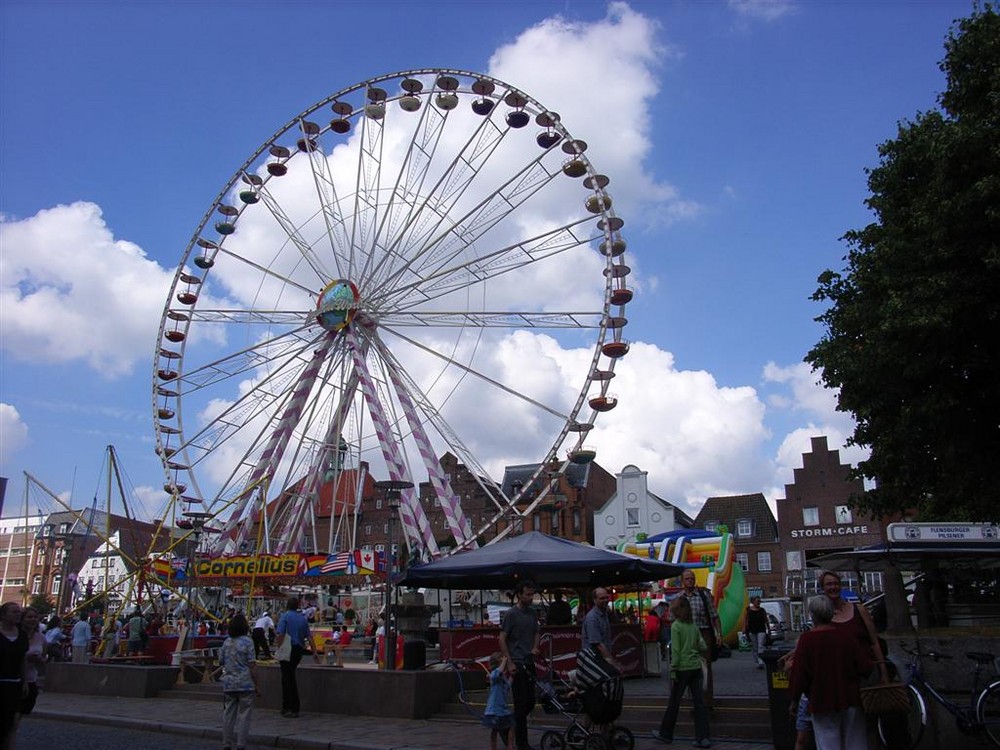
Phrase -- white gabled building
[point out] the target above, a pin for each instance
(634, 510)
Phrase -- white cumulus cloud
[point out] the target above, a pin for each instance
(71, 291)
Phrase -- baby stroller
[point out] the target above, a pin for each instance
(591, 701)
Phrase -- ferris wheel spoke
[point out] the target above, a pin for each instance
(319, 269)
(329, 201)
(264, 270)
(434, 251)
(451, 276)
(282, 347)
(256, 316)
(404, 205)
(472, 371)
(427, 216)
(497, 319)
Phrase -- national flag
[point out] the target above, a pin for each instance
(336, 563)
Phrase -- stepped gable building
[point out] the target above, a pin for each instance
(755, 537)
(634, 510)
(815, 518)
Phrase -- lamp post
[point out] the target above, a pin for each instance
(196, 519)
(67, 551)
(392, 489)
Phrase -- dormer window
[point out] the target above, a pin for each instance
(744, 529)
(712, 526)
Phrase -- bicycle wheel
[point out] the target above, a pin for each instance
(988, 712)
(904, 731)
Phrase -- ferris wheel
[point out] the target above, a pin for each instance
(387, 279)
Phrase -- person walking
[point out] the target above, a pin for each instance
(755, 629)
(239, 684)
(497, 715)
(54, 637)
(519, 634)
(829, 665)
(596, 631)
(263, 629)
(80, 640)
(293, 627)
(706, 619)
(688, 650)
(35, 658)
(136, 633)
(13, 667)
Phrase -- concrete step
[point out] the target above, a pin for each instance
(732, 718)
(197, 692)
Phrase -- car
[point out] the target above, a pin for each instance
(775, 628)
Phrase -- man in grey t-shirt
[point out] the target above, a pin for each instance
(519, 634)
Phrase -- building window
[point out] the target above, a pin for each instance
(843, 514)
(631, 516)
(64, 528)
(810, 516)
(36, 585)
(793, 560)
(555, 522)
(577, 521)
(368, 529)
(711, 525)
(744, 528)
(743, 560)
(385, 528)
(536, 522)
(56, 584)
(378, 503)
(380, 548)
(764, 562)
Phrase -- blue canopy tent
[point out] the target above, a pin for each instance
(547, 560)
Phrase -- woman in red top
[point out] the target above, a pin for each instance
(829, 665)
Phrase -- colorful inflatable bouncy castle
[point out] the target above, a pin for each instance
(712, 557)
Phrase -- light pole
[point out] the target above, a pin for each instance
(392, 489)
(196, 520)
(66, 548)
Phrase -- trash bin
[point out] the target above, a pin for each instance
(782, 724)
(414, 654)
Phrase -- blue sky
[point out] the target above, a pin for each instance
(737, 135)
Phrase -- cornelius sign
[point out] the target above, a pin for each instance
(828, 531)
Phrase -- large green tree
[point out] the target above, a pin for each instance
(912, 333)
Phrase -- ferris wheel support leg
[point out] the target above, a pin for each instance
(276, 446)
(411, 514)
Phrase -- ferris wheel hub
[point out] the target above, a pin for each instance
(337, 305)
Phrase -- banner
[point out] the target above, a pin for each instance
(288, 565)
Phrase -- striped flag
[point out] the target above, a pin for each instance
(335, 563)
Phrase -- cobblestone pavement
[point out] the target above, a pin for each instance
(199, 718)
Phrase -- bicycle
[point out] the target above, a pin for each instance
(981, 715)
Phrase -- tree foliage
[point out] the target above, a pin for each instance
(912, 334)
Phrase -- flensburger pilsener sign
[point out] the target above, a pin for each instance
(828, 531)
(943, 532)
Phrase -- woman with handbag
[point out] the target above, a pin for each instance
(294, 639)
(828, 667)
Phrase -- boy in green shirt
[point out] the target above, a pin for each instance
(687, 651)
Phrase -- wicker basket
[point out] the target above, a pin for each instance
(880, 700)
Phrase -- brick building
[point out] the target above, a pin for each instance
(815, 518)
(755, 539)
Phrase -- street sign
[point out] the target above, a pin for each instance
(972, 533)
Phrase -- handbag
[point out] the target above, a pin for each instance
(284, 651)
(713, 645)
(880, 700)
